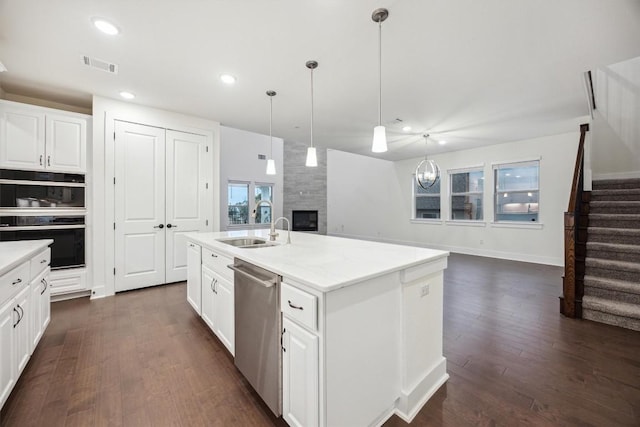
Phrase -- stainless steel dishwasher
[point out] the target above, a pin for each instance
(257, 330)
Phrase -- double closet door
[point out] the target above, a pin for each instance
(161, 193)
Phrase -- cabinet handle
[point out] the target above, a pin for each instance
(48, 160)
(214, 256)
(44, 286)
(172, 225)
(15, 282)
(211, 284)
(295, 306)
(215, 285)
(159, 226)
(281, 339)
(43, 261)
(16, 324)
(40, 159)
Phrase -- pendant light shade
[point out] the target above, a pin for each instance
(379, 134)
(427, 171)
(312, 159)
(271, 164)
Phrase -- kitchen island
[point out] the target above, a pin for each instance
(361, 321)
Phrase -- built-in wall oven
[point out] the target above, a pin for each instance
(45, 205)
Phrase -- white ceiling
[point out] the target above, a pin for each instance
(471, 72)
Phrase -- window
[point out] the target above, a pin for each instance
(517, 191)
(238, 202)
(263, 213)
(427, 202)
(467, 188)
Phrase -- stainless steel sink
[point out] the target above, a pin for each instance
(247, 242)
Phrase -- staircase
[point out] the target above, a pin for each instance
(612, 273)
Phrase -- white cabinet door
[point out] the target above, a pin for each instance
(194, 276)
(208, 294)
(299, 375)
(41, 307)
(23, 328)
(66, 142)
(139, 206)
(8, 374)
(224, 321)
(22, 137)
(185, 197)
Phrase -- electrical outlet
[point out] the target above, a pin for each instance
(424, 290)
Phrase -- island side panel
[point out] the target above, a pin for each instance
(362, 351)
(424, 366)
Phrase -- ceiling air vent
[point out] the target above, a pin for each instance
(99, 64)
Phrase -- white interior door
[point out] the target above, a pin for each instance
(185, 197)
(139, 206)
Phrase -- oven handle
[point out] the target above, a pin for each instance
(43, 183)
(41, 227)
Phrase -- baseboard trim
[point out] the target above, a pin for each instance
(411, 402)
(616, 175)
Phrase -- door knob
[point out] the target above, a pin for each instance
(159, 226)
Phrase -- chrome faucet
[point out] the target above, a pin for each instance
(272, 232)
(288, 228)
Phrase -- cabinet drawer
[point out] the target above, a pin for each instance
(14, 281)
(300, 306)
(40, 262)
(218, 263)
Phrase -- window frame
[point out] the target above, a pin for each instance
(471, 169)
(416, 194)
(495, 167)
(251, 186)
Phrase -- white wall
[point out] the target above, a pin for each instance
(372, 199)
(240, 149)
(100, 176)
(615, 151)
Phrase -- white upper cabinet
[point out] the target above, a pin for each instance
(36, 138)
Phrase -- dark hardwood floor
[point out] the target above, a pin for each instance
(144, 358)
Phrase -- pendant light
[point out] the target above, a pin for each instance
(427, 171)
(271, 164)
(312, 159)
(379, 132)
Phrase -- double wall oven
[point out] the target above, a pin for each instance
(45, 205)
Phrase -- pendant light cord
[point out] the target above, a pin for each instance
(380, 73)
(270, 125)
(312, 107)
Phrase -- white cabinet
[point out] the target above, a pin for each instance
(41, 306)
(300, 357)
(14, 327)
(36, 138)
(216, 293)
(22, 331)
(218, 306)
(8, 373)
(208, 294)
(223, 310)
(299, 375)
(194, 277)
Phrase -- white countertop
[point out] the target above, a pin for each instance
(321, 262)
(13, 254)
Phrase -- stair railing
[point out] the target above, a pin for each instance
(574, 241)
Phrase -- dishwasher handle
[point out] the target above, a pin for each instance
(265, 283)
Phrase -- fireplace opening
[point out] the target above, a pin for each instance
(304, 221)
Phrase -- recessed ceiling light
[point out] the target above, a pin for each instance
(127, 95)
(105, 26)
(406, 128)
(227, 79)
(442, 142)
